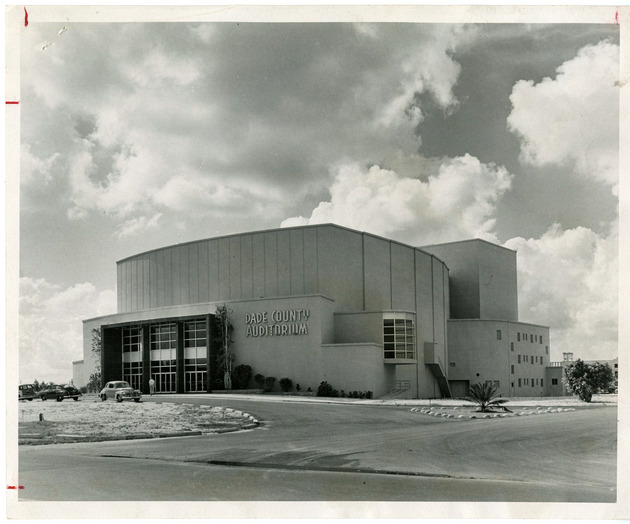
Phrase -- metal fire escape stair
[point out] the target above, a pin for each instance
(432, 359)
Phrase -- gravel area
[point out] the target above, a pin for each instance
(90, 419)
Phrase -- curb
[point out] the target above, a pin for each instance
(442, 412)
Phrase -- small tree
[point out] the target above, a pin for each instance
(259, 379)
(584, 379)
(269, 382)
(485, 396)
(286, 384)
(95, 382)
(241, 376)
(225, 358)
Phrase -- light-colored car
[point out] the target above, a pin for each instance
(119, 390)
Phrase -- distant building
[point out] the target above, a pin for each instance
(555, 374)
(323, 303)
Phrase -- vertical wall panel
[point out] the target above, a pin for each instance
(128, 285)
(203, 272)
(403, 269)
(213, 271)
(146, 291)
(310, 261)
(378, 273)
(271, 265)
(184, 275)
(258, 255)
(284, 263)
(161, 278)
(168, 276)
(247, 280)
(424, 298)
(120, 288)
(176, 274)
(224, 269)
(153, 279)
(193, 272)
(340, 266)
(297, 261)
(235, 268)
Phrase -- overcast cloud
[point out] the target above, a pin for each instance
(136, 136)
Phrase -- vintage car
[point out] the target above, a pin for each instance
(119, 390)
(71, 391)
(53, 391)
(26, 392)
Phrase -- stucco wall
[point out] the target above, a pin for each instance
(476, 354)
(357, 367)
(483, 279)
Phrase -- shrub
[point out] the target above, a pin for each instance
(259, 379)
(369, 395)
(584, 379)
(326, 390)
(286, 384)
(485, 396)
(297, 387)
(241, 376)
(269, 382)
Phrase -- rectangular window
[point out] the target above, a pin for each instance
(512, 369)
(497, 384)
(531, 338)
(536, 357)
(498, 334)
(546, 350)
(518, 337)
(519, 382)
(195, 356)
(163, 356)
(519, 359)
(132, 355)
(554, 381)
(452, 364)
(399, 339)
(532, 382)
(541, 361)
(541, 382)
(512, 346)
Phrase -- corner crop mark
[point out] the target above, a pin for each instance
(15, 487)
(12, 102)
(25, 17)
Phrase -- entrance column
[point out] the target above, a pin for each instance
(180, 358)
(146, 358)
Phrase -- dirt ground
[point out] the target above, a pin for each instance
(90, 419)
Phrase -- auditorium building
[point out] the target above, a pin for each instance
(322, 303)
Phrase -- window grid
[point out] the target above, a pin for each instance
(132, 355)
(163, 356)
(399, 338)
(195, 356)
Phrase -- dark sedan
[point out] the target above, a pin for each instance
(56, 392)
(71, 391)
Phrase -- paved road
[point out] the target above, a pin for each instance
(307, 451)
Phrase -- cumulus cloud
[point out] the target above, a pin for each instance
(182, 134)
(568, 281)
(457, 202)
(50, 323)
(573, 119)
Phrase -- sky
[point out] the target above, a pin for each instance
(136, 136)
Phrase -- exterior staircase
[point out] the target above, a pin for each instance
(433, 360)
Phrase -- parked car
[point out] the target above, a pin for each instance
(119, 390)
(53, 391)
(26, 392)
(71, 391)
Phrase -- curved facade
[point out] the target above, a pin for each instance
(313, 303)
(323, 303)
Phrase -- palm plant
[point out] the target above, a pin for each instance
(485, 396)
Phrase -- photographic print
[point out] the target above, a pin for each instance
(364, 257)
